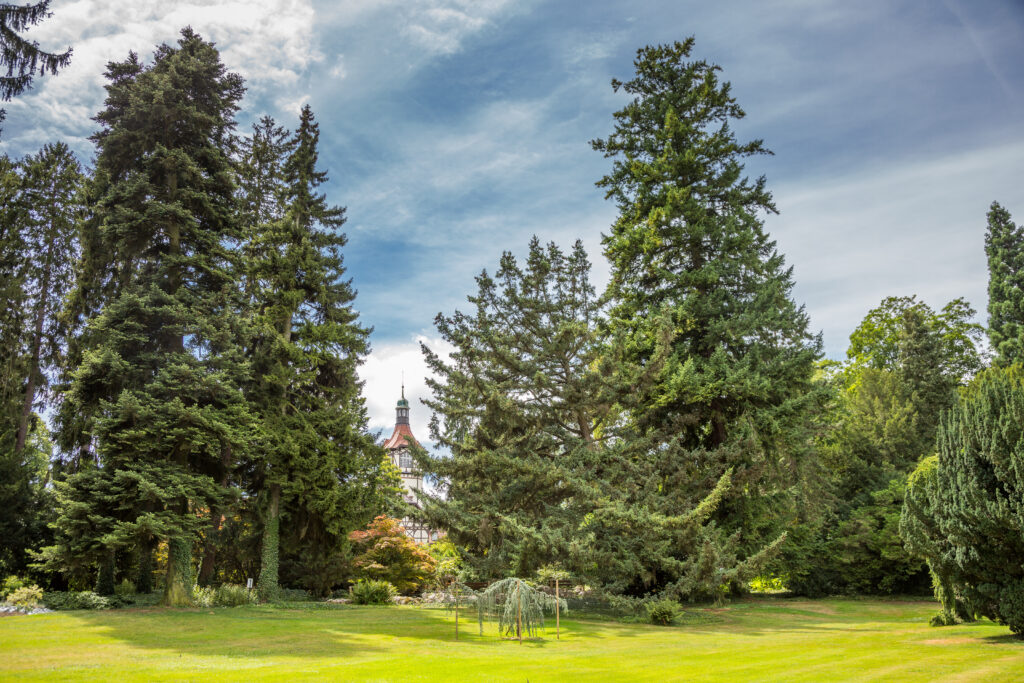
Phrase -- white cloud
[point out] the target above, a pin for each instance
(270, 42)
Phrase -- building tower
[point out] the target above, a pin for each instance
(412, 479)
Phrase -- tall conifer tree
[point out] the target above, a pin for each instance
(161, 370)
(1004, 247)
(23, 59)
(689, 244)
(321, 470)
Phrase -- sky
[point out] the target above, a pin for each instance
(453, 130)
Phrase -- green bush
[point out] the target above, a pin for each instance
(26, 597)
(293, 595)
(124, 589)
(60, 600)
(233, 595)
(663, 612)
(372, 592)
(11, 584)
(203, 596)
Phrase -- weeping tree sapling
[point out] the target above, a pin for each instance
(519, 606)
(455, 595)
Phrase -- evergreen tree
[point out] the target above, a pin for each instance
(1004, 247)
(22, 58)
(158, 388)
(689, 245)
(52, 198)
(320, 469)
(979, 490)
(543, 467)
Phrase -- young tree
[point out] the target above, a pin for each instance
(158, 388)
(1004, 247)
(320, 468)
(689, 246)
(22, 58)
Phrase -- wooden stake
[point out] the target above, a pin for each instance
(456, 613)
(519, 613)
(556, 611)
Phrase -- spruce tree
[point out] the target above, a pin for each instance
(1004, 247)
(689, 245)
(320, 470)
(158, 388)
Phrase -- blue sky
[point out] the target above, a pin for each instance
(453, 130)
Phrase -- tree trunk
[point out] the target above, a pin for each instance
(557, 627)
(178, 585)
(206, 570)
(33, 371)
(144, 581)
(268, 583)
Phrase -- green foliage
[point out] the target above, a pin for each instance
(663, 612)
(767, 584)
(226, 595)
(519, 606)
(22, 59)
(384, 552)
(59, 600)
(26, 597)
(154, 400)
(1004, 247)
(373, 592)
(125, 589)
(317, 467)
(975, 504)
(11, 584)
(925, 540)
(903, 366)
(695, 279)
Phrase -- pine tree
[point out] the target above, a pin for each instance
(689, 245)
(320, 469)
(23, 58)
(158, 388)
(1004, 247)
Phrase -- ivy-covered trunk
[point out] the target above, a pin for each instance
(268, 583)
(178, 586)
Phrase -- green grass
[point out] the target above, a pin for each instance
(759, 639)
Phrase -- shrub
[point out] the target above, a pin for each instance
(26, 597)
(293, 595)
(663, 612)
(233, 595)
(59, 600)
(385, 553)
(372, 592)
(11, 584)
(203, 596)
(124, 589)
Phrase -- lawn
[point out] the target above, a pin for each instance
(758, 639)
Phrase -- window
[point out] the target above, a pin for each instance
(405, 460)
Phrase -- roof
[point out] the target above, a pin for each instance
(398, 440)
